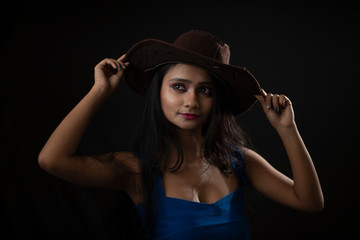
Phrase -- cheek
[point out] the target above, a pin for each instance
(168, 102)
(208, 105)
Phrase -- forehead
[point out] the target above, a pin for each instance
(187, 71)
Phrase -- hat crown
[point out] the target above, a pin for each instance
(205, 44)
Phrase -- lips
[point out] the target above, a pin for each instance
(190, 116)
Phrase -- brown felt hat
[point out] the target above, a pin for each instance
(198, 48)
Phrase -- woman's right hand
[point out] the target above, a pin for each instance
(108, 74)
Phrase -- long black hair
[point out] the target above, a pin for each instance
(155, 137)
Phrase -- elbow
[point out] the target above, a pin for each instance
(42, 160)
(53, 163)
(319, 206)
(316, 205)
(311, 202)
(45, 162)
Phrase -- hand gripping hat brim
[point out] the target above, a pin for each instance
(198, 48)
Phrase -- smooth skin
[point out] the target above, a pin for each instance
(188, 89)
(185, 89)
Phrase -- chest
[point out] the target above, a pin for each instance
(206, 185)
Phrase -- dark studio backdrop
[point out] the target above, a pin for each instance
(308, 52)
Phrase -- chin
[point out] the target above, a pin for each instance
(189, 127)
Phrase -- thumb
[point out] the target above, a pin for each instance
(261, 98)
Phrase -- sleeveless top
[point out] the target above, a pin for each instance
(182, 219)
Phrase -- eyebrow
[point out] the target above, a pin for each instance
(189, 81)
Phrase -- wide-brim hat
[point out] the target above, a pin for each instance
(193, 47)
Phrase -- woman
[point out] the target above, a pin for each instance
(191, 163)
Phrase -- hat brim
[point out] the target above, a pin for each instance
(151, 53)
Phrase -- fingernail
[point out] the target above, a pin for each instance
(276, 110)
(267, 106)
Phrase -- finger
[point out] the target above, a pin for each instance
(121, 60)
(287, 101)
(269, 97)
(126, 64)
(118, 65)
(111, 62)
(263, 93)
(122, 57)
(261, 100)
(105, 62)
(121, 65)
(282, 101)
(275, 102)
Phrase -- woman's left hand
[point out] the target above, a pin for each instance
(278, 109)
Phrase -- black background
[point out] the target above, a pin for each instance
(310, 52)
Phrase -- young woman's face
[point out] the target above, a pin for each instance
(186, 96)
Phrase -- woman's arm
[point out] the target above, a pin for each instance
(303, 191)
(58, 156)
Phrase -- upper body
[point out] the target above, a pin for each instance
(186, 97)
(177, 218)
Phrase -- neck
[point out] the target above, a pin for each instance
(191, 143)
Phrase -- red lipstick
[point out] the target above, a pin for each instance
(189, 116)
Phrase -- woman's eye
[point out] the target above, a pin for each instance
(179, 87)
(205, 90)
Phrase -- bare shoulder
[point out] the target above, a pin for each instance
(252, 157)
(257, 166)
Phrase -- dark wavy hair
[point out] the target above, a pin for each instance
(155, 137)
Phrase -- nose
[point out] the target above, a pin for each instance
(191, 99)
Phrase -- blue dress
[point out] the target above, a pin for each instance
(182, 219)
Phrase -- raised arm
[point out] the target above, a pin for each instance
(59, 157)
(303, 192)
